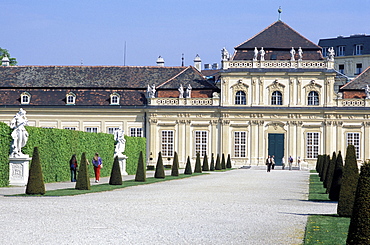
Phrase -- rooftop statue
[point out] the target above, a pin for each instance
(300, 53)
(19, 134)
(151, 91)
(181, 91)
(255, 54)
(262, 53)
(188, 91)
(292, 54)
(331, 54)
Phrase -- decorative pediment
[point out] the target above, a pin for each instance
(240, 86)
(276, 125)
(276, 86)
(313, 85)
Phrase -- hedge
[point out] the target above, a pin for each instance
(5, 141)
(133, 147)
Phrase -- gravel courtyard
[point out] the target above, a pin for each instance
(243, 206)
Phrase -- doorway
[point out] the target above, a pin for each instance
(276, 147)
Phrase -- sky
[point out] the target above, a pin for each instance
(136, 32)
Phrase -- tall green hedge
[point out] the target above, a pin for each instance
(133, 147)
(5, 141)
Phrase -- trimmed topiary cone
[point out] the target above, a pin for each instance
(359, 228)
(324, 168)
(328, 162)
(337, 179)
(330, 174)
(218, 163)
(115, 175)
(35, 184)
(188, 167)
(228, 162)
(83, 179)
(212, 167)
(175, 165)
(198, 167)
(159, 169)
(205, 166)
(349, 184)
(223, 162)
(140, 171)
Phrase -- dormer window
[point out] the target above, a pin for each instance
(25, 98)
(71, 98)
(114, 99)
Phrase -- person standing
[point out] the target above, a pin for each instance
(273, 162)
(283, 162)
(98, 164)
(73, 167)
(268, 163)
(290, 162)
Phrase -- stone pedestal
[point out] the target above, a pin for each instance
(122, 163)
(19, 170)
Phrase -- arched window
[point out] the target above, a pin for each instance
(25, 98)
(71, 98)
(114, 98)
(240, 98)
(276, 98)
(313, 98)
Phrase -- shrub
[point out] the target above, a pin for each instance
(140, 171)
(5, 142)
(115, 175)
(329, 177)
(188, 169)
(35, 184)
(228, 162)
(212, 167)
(328, 162)
(205, 166)
(349, 184)
(218, 163)
(159, 169)
(83, 178)
(175, 165)
(198, 167)
(337, 179)
(223, 162)
(324, 168)
(359, 228)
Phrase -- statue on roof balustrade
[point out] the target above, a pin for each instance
(367, 91)
(188, 91)
(300, 53)
(331, 54)
(292, 54)
(151, 91)
(181, 91)
(225, 54)
(255, 54)
(19, 134)
(262, 53)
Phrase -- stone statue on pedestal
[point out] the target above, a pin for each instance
(292, 53)
(331, 54)
(19, 134)
(120, 141)
(300, 53)
(367, 91)
(181, 91)
(262, 53)
(255, 54)
(188, 91)
(151, 91)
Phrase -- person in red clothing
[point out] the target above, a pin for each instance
(73, 166)
(98, 164)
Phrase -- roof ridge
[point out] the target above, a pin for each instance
(164, 83)
(354, 79)
(256, 34)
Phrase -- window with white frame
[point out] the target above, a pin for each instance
(91, 129)
(70, 128)
(358, 49)
(354, 139)
(313, 98)
(324, 51)
(201, 141)
(71, 98)
(240, 98)
(136, 132)
(276, 98)
(312, 143)
(112, 129)
(25, 98)
(167, 143)
(240, 143)
(114, 99)
(341, 50)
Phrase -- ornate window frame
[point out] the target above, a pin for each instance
(315, 87)
(71, 98)
(240, 87)
(276, 86)
(115, 98)
(25, 98)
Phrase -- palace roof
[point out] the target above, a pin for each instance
(359, 82)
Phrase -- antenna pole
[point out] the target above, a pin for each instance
(124, 54)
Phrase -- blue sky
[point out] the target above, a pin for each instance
(64, 32)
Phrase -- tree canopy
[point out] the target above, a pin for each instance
(3, 52)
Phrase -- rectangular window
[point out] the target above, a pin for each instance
(312, 143)
(70, 128)
(341, 50)
(91, 129)
(341, 68)
(358, 68)
(325, 51)
(354, 139)
(136, 132)
(167, 143)
(112, 129)
(358, 49)
(201, 142)
(240, 143)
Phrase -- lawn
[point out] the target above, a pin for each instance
(324, 229)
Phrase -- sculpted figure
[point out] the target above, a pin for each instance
(255, 54)
(292, 53)
(151, 91)
(120, 141)
(19, 134)
(224, 54)
(300, 53)
(262, 53)
(181, 91)
(367, 91)
(331, 54)
(188, 91)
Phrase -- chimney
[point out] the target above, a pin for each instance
(198, 63)
(5, 61)
(214, 66)
(160, 61)
(207, 66)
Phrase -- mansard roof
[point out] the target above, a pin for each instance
(278, 38)
(359, 82)
(129, 77)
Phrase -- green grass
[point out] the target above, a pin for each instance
(324, 229)
(107, 187)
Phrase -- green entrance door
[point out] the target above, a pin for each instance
(276, 147)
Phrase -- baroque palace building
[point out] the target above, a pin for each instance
(273, 96)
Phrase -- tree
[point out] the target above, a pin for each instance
(349, 184)
(359, 228)
(35, 184)
(115, 175)
(228, 162)
(159, 169)
(175, 165)
(83, 178)
(198, 167)
(205, 166)
(188, 169)
(12, 61)
(212, 167)
(324, 168)
(223, 162)
(330, 173)
(218, 163)
(337, 179)
(140, 171)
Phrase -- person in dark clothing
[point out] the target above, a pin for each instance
(73, 166)
(268, 163)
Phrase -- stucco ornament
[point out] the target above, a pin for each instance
(120, 141)
(19, 134)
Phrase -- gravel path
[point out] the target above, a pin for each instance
(243, 206)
